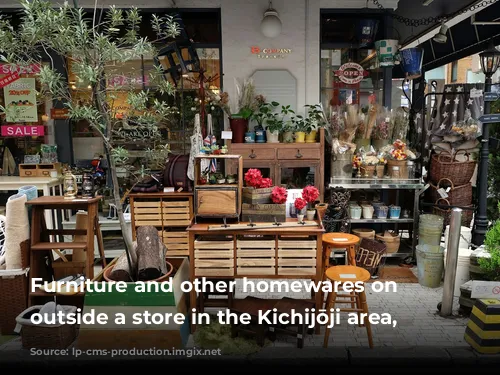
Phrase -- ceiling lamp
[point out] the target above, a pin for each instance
(271, 23)
(441, 37)
(490, 60)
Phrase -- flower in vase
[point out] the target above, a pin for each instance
(299, 204)
(265, 183)
(279, 195)
(310, 194)
(253, 178)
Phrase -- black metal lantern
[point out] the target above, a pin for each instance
(490, 60)
(179, 56)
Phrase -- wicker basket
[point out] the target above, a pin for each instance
(457, 195)
(403, 169)
(467, 214)
(364, 233)
(446, 166)
(14, 293)
(46, 337)
(391, 240)
(370, 254)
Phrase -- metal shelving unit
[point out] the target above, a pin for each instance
(406, 249)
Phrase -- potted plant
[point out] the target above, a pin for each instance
(300, 205)
(382, 131)
(260, 116)
(288, 132)
(231, 178)
(491, 264)
(220, 178)
(224, 150)
(380, 168)
(242, 109)
(206, 150)
(214, 149)
(273, 128)
(310, 194)
(257, 188)
(212, 179)
(300, 128)
(314, 120)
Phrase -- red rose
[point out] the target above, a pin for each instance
(310, 194)
(253, 178)
(265, 183)
(279, 195)
(300, 204)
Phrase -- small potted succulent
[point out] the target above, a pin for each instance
(224, 150)
(206, 150)
(213, 179)
(231, 178)
(220, 178)
(215, 149)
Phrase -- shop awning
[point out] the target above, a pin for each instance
(468, 33)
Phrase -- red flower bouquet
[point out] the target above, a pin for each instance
(265, 183)
(310, 194)
(279, 195)
(253, 178)
(300, 204)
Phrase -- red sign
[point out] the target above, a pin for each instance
(11, 68)
(8, 79)
(23, 130)
(59, 113)
(351, 73)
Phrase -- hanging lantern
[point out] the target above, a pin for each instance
(411, 62)
(490, 60)
(387, 52)
(367, 29)
(178, 57)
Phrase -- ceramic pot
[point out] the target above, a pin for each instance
(239, 127)
(355, 212)
(380, 171)
(394, 212)
(300, 137)
(250, 137)
(368, 212)
(382, 212)
(221, 181)
(310, 214)
(231, 181)
(260, 136)
(273, 137)
(300, 218)
(288, 137)
(311, 137)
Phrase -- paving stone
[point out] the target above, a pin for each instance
(390, 356)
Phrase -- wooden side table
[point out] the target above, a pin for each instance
(41, 247)
(251, 306)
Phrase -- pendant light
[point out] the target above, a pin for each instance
(271, 23)
(441, 37)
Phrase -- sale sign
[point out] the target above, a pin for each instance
(23, 131)
(8, 79)
(12, 68)
(20, 101)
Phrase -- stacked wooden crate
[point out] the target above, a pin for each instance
(296, 256)
(170, 213)
(256, 257)
(214, 257)
(258, 207)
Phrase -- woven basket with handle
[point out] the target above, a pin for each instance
(447, 166)
(457, 195)
(446, 212)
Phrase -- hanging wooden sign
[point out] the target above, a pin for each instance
(351, 73)
(59, 113)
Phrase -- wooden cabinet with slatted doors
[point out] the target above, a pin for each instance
(214, 256)
(218, 200)
(255, 255)
(296, 256)
(170, 213)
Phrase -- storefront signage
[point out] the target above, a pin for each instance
(485, 289)
(489, 119)
(8, 79)
(138, 133)
(59, 113)
(351, 73)
(270, 53)
(23, 130)
(28, 69)
(491, 96)
(20, 101)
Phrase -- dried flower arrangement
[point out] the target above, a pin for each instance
(400, 124)
(384, 126)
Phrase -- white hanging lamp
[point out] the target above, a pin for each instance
(271, 23)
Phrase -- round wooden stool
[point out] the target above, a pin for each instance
(339, 241)
(357, 300)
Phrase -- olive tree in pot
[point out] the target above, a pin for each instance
(95, 48)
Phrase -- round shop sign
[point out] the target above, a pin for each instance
(351, 73)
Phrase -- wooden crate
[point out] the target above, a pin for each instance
(147, 213)
(263, 213)
(28, 170)
(256, 257)
(296, 257)
(214, 258)
(177, 242)
(44, 169)
(256, 196)
(176, 213)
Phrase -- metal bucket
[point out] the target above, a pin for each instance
(386, 51)
(341, 165)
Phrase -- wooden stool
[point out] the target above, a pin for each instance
(251, 306)
(353, 274)
(285, 306)
(205, 298)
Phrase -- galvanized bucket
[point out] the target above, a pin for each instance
(341, 165)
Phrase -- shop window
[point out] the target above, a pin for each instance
(454, 71)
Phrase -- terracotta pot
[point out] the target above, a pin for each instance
(239, 127)
(107, 273)
(311, 137)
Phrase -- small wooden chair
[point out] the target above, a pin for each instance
(357, 299)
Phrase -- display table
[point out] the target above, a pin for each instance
(46, 185)
(272, 253)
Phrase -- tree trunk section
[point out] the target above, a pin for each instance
(150, 254)
(121, 270)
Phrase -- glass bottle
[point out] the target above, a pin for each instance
(410, 167)
(395, 172)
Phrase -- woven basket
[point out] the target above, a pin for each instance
(403, 169)
(446, 166)
(457, 196)
(370, 254)
(364, 233)
(391, 240)
(467, 215)
(46, 337)
(14, 294)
